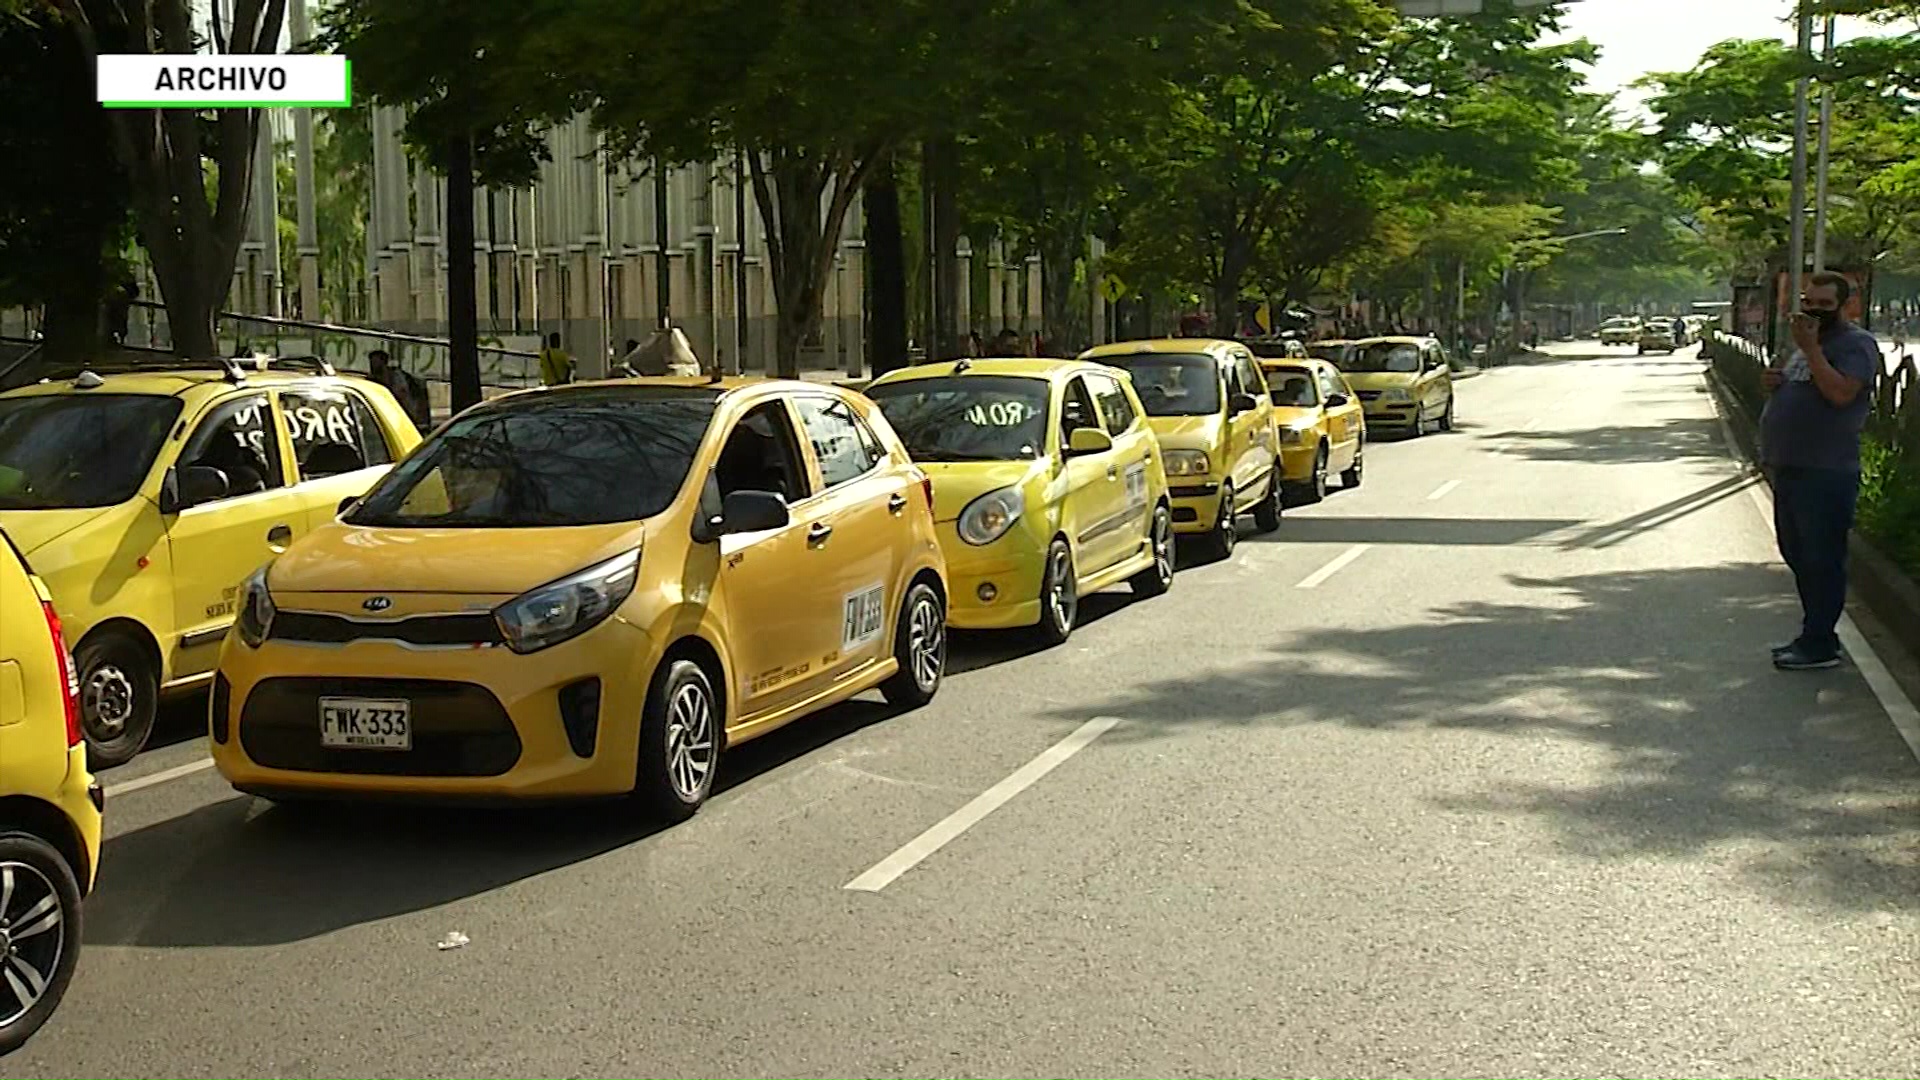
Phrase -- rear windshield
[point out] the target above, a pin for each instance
(1173, 384)
(1383, 356)
(587, 457)
(1292, 386)
(1329, 352)
(69, 451)
(967, 417)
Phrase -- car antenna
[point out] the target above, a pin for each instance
(961, 365)
(87, 380)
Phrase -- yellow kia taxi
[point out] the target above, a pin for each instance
(589, 590)
(1047, 485)
(144, 497)
(1403, 382)
(1207, 404)
(49, 806)
(1322, 428)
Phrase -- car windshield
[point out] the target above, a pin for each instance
(68, 451)
(1327, 351)
(1292, 386)
(586, 457)
(967, 417)
(1173, 384)
(1388, 356)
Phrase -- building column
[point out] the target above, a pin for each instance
(996, 287)
(963, 286)
(853, 291)
(307, 242)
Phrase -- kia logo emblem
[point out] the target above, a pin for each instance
(377, 603)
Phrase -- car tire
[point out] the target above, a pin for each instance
(1318, 481)
(1059, 596)
(680, 738)
(119, 698)
(1155, 580)
(1219, 543)
(36, 870)
(1270, 509)
(1446, 418)
(1351, 476)
(919, 647)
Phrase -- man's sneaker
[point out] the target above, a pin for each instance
(1799, 658)
(1780, 650)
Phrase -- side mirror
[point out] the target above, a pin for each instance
(1243, 403)
(170, 493)
(1334, 401)
(202, 484)
(751, 511)
(1088, 440)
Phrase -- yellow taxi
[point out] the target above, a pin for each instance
(49, 806)
(1332, 350)
(1207, 405)
(1047, 485)
(1403, 382)
(1322, 428)
(589, 590)
(144, 496)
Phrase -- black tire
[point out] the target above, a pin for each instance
(119, 697)
(1155, 580)
(1059, 596)
(1351, 476)
(1317, 483)
(1268, 511)
(1446, 418)
(920, 647)
(1219, 543)
(49, 949)
(679, 746)
(1419, 421)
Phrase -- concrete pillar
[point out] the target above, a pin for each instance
(260, 250)
(307, 242)
(853, 285)
(963, 286)
(483, 258)
(996, 288)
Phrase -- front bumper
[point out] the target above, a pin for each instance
(1196, 505)
(486, 723)
(1383, 414)
(1011, 568)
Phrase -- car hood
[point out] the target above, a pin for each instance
(957, 483)
(1187, 432)
(32, 530)
(1381, 380)
(339, 557)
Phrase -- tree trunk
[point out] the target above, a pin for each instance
(463, 314)
(887, 263)
(941, 177)
(1060, 252)
(71, 332)
(804, 201)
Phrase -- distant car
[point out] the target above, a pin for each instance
(1287, 348)
(1403, 382)
(1658, 336)
(1620, 331)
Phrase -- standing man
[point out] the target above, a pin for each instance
(408, 390)
(556, 366)
(1810, 444)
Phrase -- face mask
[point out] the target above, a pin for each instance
(1824, 316)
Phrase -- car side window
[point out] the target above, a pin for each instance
(1235, 385)
(1076, 409)
(334, 431)
(761, 454)
(1250, 377)
(1330, 384)
(1111, 399)
(835, 432)
(238, 440)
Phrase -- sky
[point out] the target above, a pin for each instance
(1639, 36)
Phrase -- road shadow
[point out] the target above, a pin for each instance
(1797, 782)
(242, 872)
(1616, 444)
(1417, 531)
(179, 719)
(972, 650)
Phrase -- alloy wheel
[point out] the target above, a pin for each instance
(927, 643)
(33, 935)
(1062, 600)
(690, 740)
(107, 700)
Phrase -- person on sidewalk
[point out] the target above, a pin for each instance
(406, 388)
(556, 367)
(1810, 446)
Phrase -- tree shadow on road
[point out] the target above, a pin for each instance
(242, 872)
(1797, 780)
(1617, 444)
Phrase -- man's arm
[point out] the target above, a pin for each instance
(1840, 378)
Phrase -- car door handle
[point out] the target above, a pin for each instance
(819, 532)
(279, 537)
(896, 502)
(1113, 472)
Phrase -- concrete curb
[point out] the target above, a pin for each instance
(1878, 583)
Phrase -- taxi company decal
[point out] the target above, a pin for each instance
(1137, 486)
(861, 623)
(770, 679)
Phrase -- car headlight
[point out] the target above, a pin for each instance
(1186, 463)
(567, 608)
(1397, 395)
(988, 517)
(255, 615)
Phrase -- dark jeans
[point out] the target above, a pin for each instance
(1812, 515)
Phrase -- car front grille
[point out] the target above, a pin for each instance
(459, 729)
(1200, 491)
(1369, 395)
(316, 628)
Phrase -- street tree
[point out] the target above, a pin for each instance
(190, 218)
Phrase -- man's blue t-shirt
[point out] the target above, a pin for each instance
(1800, 427)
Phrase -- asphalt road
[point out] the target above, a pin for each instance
(1511, 790)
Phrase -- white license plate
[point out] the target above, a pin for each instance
(366, 723)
